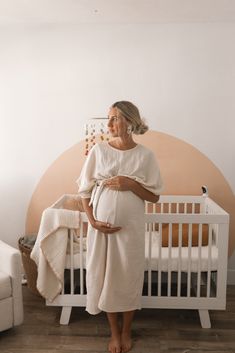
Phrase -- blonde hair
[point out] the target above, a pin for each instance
(132, 115)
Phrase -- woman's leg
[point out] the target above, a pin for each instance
(115, 341)
(126, 331)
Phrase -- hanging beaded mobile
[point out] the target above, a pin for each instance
(96, 130)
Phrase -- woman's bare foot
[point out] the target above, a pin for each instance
(115, 344)
(126, 342)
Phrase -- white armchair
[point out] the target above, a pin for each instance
(11, 302)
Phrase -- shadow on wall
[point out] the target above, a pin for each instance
(184, 170)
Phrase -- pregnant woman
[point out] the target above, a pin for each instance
(117, 177)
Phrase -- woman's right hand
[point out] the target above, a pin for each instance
(105, 227)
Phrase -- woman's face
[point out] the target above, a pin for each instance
(117, 124)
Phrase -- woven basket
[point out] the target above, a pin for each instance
(29, 266)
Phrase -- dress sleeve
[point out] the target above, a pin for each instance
(86, 180)
(151, 178)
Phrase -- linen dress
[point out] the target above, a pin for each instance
(115, 262)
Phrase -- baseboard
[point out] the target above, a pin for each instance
(231, 277)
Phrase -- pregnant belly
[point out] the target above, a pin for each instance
(119, 207)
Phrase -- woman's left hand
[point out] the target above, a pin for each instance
(120, 183)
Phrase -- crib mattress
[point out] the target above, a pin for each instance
(165, 259)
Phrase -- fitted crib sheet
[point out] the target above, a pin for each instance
(165, 258)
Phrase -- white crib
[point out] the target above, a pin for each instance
(176, 277)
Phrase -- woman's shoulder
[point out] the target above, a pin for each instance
(99, 147)
(145, 150)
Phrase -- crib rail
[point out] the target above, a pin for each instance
(184, 275)
(195, 280)
(186, 271)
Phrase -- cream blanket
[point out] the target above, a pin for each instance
(49, 251)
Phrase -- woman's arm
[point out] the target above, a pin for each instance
(88, 209)
(143, 193)
(104, 227)
(123, 183)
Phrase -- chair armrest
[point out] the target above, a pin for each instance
(10, 263)
(9, 259)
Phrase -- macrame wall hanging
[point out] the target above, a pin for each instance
(96, 131)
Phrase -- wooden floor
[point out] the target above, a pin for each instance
(163, 331)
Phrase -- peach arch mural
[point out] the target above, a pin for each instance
(184, 169)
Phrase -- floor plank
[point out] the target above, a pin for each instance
(154, 331)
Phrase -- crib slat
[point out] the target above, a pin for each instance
(63, 287)
(177, 207)
(81, 258)
(179, 261)
(169, 208)
(154, 208)
(189, 259)
(169, 260)
(217, 234)
(199, 261)
(150, 260)
(71, 262)
(193, 207)
(159, 261)
(146, 207)
(208, 290)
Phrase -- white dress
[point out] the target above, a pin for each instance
(115, 262)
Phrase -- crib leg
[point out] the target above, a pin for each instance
(65, 315)
(205, 318)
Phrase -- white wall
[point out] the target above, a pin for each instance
(53, 78)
